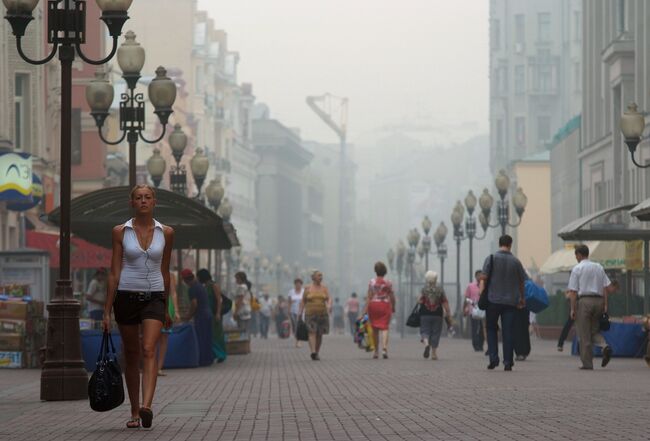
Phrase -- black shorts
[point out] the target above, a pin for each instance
(131, 308)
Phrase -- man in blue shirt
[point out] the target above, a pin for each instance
(504, 278)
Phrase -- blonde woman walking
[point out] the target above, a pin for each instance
(433, 302)
(316, 304)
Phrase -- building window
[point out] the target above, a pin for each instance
(520, 80)
(543, 26)
(543, 129)
(577, 77)
(495, 37)
(520, 130)
(620, 16)
(520, 29)
(21, 112)
(500, 145)
(600, 196)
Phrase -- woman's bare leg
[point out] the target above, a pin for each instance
(312, 342)
(375, 339)
(150, 336)
(384, 339)
(131, 346)
(319, 341)
(162, 350)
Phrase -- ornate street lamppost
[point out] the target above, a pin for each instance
(459, 235)
(63, 376)
(177, 174)
(632, 126)
(214, 193)
(199, 164)
(413, 238)
(162, 94)
(257, 260)
(278, 271)
(426, 241)
(399, 265)
(441, 249)
(519, 201)
(470, 229)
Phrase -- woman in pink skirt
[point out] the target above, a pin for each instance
(380, 305)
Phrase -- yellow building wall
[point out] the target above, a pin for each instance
(533, 237)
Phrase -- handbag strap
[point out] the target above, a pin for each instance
(110, 340)
(103, 348)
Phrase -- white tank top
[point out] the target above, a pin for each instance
(141, 268)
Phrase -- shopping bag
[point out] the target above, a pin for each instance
(536, 297)
(302, 334)
(105, 387)
(414, 318)
(477, 313)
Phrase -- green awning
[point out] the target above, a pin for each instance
(93, 215)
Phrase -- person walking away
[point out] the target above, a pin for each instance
(337, 314)
(295, 299)
(521, 327)
(281, 316)
(380, 305)
(472, 293)
(254, 324)
(202, 316)
(505, 277)
(434, 302)
(567, 325)
(96, 295)
(138, 293)
(316, 305)
(243, 296)
(172, 310)
(589, 287)
(266, 308)
(352, 309)
(215, 304)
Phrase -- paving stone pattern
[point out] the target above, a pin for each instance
(278, 393)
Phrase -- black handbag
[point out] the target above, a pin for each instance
(414, 318)
(604, 322)
(302, 333)
(105, 387)
(483, 300)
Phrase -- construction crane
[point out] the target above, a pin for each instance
(328, 107)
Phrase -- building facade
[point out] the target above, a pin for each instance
(535, 74)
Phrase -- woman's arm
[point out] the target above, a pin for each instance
(174, 294)
(329, 301)
(193, 307)
(113, 275)
(391, 295)
(164, 269)
(302, 301)
(217, 298)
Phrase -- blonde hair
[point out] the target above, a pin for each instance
(431, 277)
(140, 187)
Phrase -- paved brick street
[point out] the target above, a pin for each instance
(277, 393)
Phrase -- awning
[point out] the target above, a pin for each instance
(642, 211)
(93, 216)
(83, 254)
(610, 224)
(610, 254)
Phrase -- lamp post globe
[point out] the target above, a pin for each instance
(470, 202)
(130, 58)
(632, 125)
(519, 200)
(20, 7)
(177, 142)
(162, 94)
(99, 95)
(214, 192)
(486, 201)
(114, 5)
(199, 165)
(225, 210)
(502, 182)
(156, 167)
(426, 225)
(456, 218)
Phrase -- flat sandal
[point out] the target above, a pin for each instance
(133, 423)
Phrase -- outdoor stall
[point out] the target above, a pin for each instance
(615, 225)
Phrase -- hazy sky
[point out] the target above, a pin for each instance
(422, 61)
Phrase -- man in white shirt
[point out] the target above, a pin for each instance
(266, 306)
(588, 289)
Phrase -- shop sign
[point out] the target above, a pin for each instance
(37, 197)
(15, 177)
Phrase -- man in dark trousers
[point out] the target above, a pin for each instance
(504, 280)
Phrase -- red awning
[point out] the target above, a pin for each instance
(83, 254)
